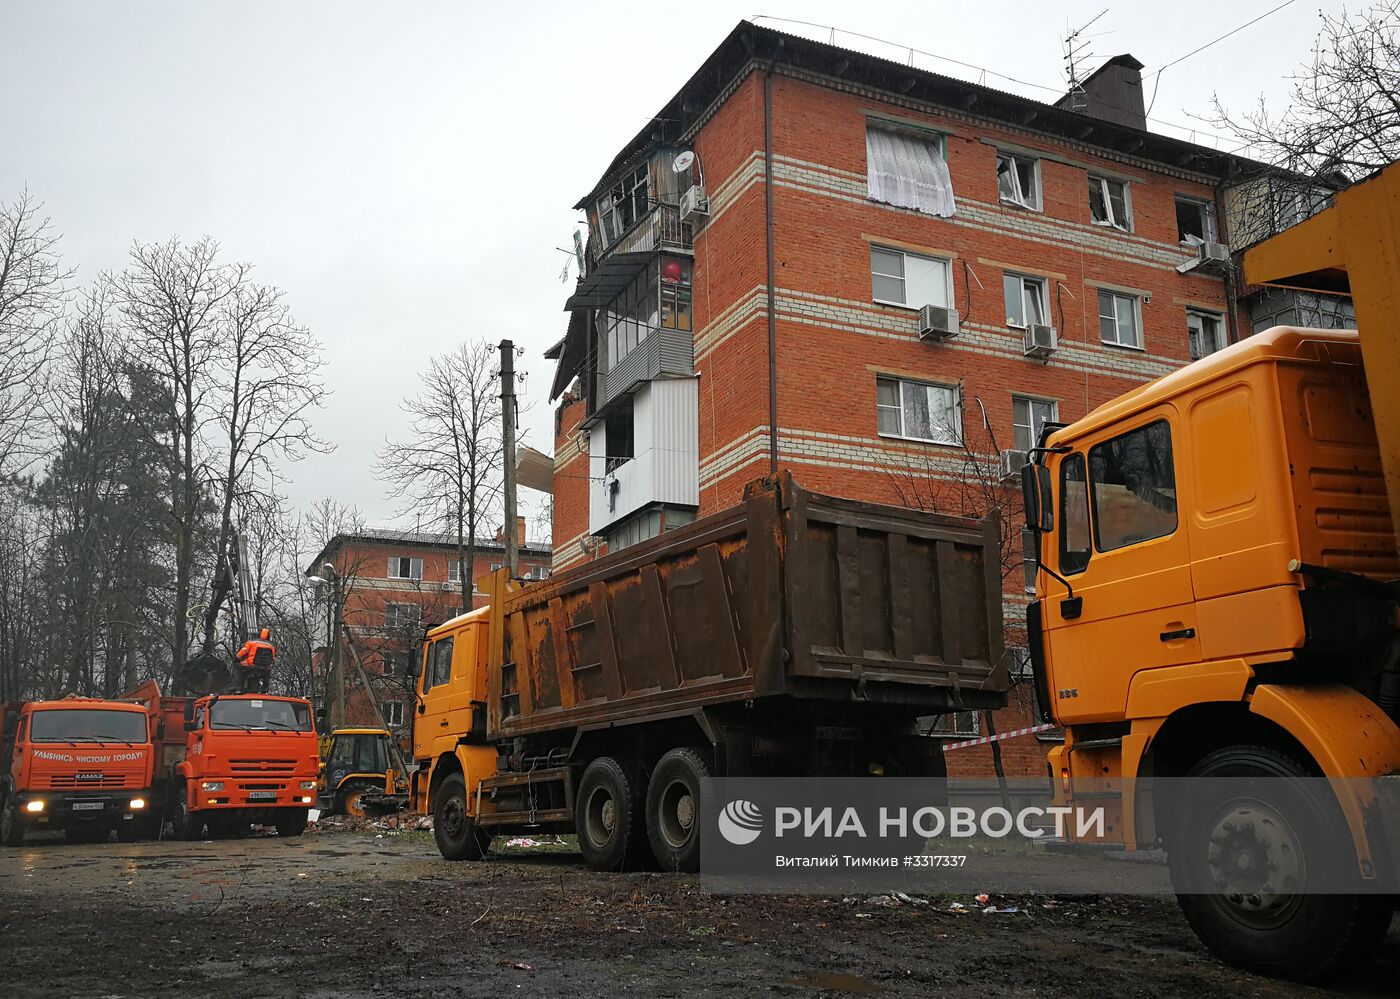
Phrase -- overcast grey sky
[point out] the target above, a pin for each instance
(405, 171)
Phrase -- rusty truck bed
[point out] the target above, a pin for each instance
(790, 593)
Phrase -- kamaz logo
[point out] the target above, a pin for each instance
(88, 776)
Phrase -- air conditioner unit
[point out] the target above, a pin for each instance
(937, 323)
(1214, 253)
(1009, 464)
(695, 205)
(449, 585)
(1041, 341)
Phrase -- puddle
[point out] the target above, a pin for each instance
(835, 981)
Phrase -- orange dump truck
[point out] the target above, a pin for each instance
(226, 761)
(82, 765)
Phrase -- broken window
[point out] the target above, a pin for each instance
(1195, 221)
(623, 205)
(1204, 332)
(1018, 180)
(1025, 300)
(1028, 419)
(1109, 203)
(917, 410)
(617, 435)
(908, 171)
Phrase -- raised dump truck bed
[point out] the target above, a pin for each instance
(795, 634)
(790, 593)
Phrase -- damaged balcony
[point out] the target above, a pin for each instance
(613, 266)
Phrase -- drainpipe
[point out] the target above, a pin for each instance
(772, 302)
(1221, 233)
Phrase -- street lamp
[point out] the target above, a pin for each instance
(330, 579)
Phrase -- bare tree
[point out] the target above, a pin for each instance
(1343, 119)
(449, 470)
(32, 289)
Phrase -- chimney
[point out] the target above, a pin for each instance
(1113, 92)
(519, 532)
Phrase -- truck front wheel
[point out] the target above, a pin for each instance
(186, 824)
(1235, 851)
(457, 833)
(608, 815)
(11, 824)
(673, 809)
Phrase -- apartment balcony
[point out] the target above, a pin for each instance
(662, 353)
(646, 454)
(611, 267)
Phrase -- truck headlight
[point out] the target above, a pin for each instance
(137, 804)
(212, 785)
(308, 785)
(34, 806)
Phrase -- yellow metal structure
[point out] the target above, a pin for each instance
(1351, 247)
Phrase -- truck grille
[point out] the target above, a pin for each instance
(69, 782)
(262, 766)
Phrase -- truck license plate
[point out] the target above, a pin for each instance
(262, 795)
(87, 806)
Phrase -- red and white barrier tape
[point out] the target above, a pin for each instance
(1000, 735)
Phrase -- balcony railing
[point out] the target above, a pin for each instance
(660, 228)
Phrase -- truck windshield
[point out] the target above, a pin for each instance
(87, 725)
(260, 713)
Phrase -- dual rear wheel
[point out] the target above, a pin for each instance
(627, 820)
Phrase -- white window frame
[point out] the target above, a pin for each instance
(393, 718)
(913, 384)
(946, 263)
(395, 566)
(1043, 287)
(1030, 424)
(1194, 337)
(1207, 216)
(1035, 201)
(957, 725)
(1117, 297)
(1123, 225)
(454, 570)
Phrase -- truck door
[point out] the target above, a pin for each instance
(1123, 547)
(436, 692)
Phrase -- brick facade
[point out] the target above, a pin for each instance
(833, 340)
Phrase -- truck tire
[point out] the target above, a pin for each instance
(185, 824)
(1288, 935)
(673, 809)
(609, 816)
(290, 822)
(457, 834)
(11, 823)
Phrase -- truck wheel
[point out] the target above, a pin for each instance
(11, 824)
(187, 825)
(609, 816)
(290, 821)
(457, 833)
(673, 809)
(1223, 836)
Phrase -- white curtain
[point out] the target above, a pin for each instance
(907, 172)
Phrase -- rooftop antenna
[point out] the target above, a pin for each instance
(1077, 54)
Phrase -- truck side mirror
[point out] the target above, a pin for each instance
(190, 724)
(415, 666)
(1037, 497)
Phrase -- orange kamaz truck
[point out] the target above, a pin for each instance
(224, 762)
(80, 765)
(1218, 609)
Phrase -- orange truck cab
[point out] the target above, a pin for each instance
(226, 761)
(1215, 597)
(82, 765)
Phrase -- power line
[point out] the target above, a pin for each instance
(1158, 76)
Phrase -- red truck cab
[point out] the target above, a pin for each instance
(231, 760)
(82, 765)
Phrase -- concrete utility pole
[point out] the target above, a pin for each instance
(508, 440)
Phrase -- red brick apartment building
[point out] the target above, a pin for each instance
(389, 587)
(881, 279)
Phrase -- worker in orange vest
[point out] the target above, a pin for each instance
(256, 658)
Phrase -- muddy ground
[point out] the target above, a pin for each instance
(358, 914)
